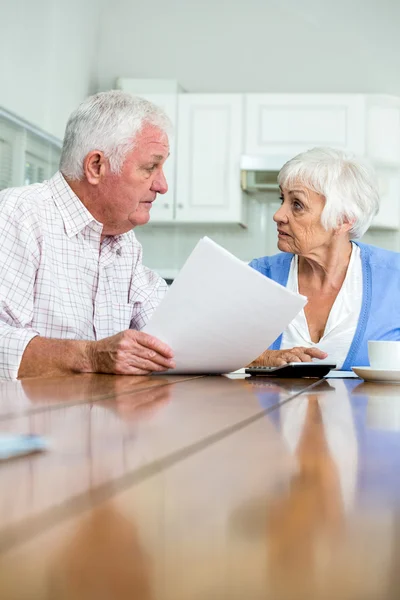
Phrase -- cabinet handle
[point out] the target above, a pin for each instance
(180, 205)
(166, 205)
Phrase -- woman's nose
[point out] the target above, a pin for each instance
(280, 215)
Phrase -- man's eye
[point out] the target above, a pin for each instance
(281, 199)
(297, 205)
(151, 168)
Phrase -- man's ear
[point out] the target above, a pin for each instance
(94, 167)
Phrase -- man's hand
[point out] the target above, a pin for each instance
(277, 358)
(129, 353)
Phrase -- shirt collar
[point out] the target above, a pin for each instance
(73, 212)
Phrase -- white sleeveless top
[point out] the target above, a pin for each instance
(343, 318)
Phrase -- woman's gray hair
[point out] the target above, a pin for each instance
(348, 184)
(109, 122)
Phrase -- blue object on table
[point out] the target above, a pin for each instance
(20, 444)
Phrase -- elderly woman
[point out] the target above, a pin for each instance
(353, 289)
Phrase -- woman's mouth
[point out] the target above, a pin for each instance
(282, 233)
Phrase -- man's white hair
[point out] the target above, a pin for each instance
(348, 184)
(109, 122)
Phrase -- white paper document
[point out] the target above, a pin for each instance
(220, 314)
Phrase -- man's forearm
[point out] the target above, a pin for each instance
(46, 357)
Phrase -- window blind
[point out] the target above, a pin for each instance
(5, 164)
(27, 154)
(9, 139)
(41, 159)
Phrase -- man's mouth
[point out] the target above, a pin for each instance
(283, 233)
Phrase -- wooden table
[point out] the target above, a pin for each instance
(203, 488)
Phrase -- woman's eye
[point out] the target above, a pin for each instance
(297, 205)
(281, 199)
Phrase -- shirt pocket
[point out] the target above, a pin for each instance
(122, 316)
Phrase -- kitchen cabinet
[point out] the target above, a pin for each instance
(286, 124)
(202, 172)
(389, 189)
(212, 131)
(383, 150)
(210, 143)
(383, 130)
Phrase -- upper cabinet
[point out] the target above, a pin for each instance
(286, 124)
(383, 149)
(282, 125)
(389, 191)
(383, 130)
(213, 131)
(210, 143)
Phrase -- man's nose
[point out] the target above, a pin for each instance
(160, 184)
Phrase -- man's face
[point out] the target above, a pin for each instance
(126, 198)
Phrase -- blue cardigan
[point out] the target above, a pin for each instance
(380, 309)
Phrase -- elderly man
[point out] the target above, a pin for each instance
(74, 293)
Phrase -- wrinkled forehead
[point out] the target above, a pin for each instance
(294, 175)
(297, 190)
(151, 143)
(150, 134)
(299, 187)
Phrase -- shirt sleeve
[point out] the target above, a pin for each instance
(147, 291)
(19, 259)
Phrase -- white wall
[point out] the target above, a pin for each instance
(51, 50)
(254, 45)
(47, 58)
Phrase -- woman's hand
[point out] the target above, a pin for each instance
(277, 358)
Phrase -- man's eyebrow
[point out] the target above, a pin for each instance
(158, 156)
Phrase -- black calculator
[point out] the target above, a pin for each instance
(296, 369)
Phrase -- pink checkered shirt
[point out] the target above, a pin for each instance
(57, 280)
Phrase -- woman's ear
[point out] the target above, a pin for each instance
(94, 167)
(345, 227)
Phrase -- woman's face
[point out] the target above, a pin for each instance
(299, 221)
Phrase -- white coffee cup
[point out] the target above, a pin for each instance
(384, 355)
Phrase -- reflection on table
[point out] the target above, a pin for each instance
(209, 488)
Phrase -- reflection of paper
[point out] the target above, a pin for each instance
(220, 314)
(341, 375)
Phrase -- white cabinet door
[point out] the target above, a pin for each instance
(286, 124)
(389, 189)
(383, 130)
(162, 210)
(209, 148)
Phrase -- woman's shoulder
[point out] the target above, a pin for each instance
(379, 257)
(268, 265)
